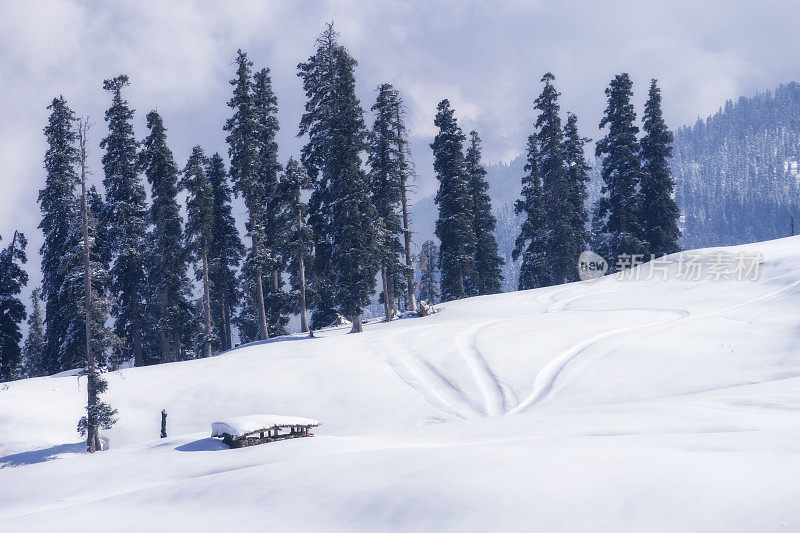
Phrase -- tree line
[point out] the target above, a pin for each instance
(321, 232)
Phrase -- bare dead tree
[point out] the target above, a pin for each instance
(92, 430)
(406, 223)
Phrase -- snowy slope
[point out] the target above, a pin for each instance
(612, 405)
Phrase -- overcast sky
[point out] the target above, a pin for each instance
(486, 57)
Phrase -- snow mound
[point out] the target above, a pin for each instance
(242, 425)
(665, 399)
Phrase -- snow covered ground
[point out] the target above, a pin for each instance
(611, 405)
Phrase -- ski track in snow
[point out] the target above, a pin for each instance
(544, 383)
(425, 379)
(488, 383)
(498, 396)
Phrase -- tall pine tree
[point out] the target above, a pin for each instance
(658, 211)
(578, 179)
(168, 288)
(342, 211)
(562, 246)
(388, 176)
(200, 232)
(12, 311)
(455, 225)
(276, 301)
(299, 240)
(125, 220)
(531, 243)
(487, 277)
(226, 254)
(244, 146)
(56, 200)
(618, 209)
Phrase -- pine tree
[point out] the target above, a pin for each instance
(577, 178)
(618, 208)
(168, 309)
(33, 349)
(531, 243)
(454, 227)
(429, 278)
(658, 211)
(12, 311)
(244, 145)
(56, 200)
(276, 301)
(487, 277)
(562, 248)
(299, 237)
(124, 220)
(226, 252)
(342, 213)
(388, 177)
(74, 289)
(200, 231)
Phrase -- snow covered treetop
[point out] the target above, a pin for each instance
(243, 425)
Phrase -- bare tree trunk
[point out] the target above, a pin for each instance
(92, 431)
(358, 327)
(162, 311)
(206, 306)
(136, 332)
(390, 292)
(412, 306)
(387, 309)
(263, 332)
(303, 320)
(227, 340)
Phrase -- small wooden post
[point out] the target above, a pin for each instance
(163, 423)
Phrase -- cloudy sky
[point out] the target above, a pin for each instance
(486, 57)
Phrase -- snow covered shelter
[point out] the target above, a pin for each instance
(241, 431)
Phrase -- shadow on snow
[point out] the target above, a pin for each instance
(40, 456)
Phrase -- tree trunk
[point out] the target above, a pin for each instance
(274, 287)
(387, 310)
(358, 327)
(162, 312)
(412, 306)
(390, 292)
(92, 431)
(263, 332)
(163, 423)
(227, 340)
(136, 332)
(206, 306)
(303, 320)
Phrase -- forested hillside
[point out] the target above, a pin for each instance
(737, 173)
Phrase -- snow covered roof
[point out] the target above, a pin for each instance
(242, 425)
